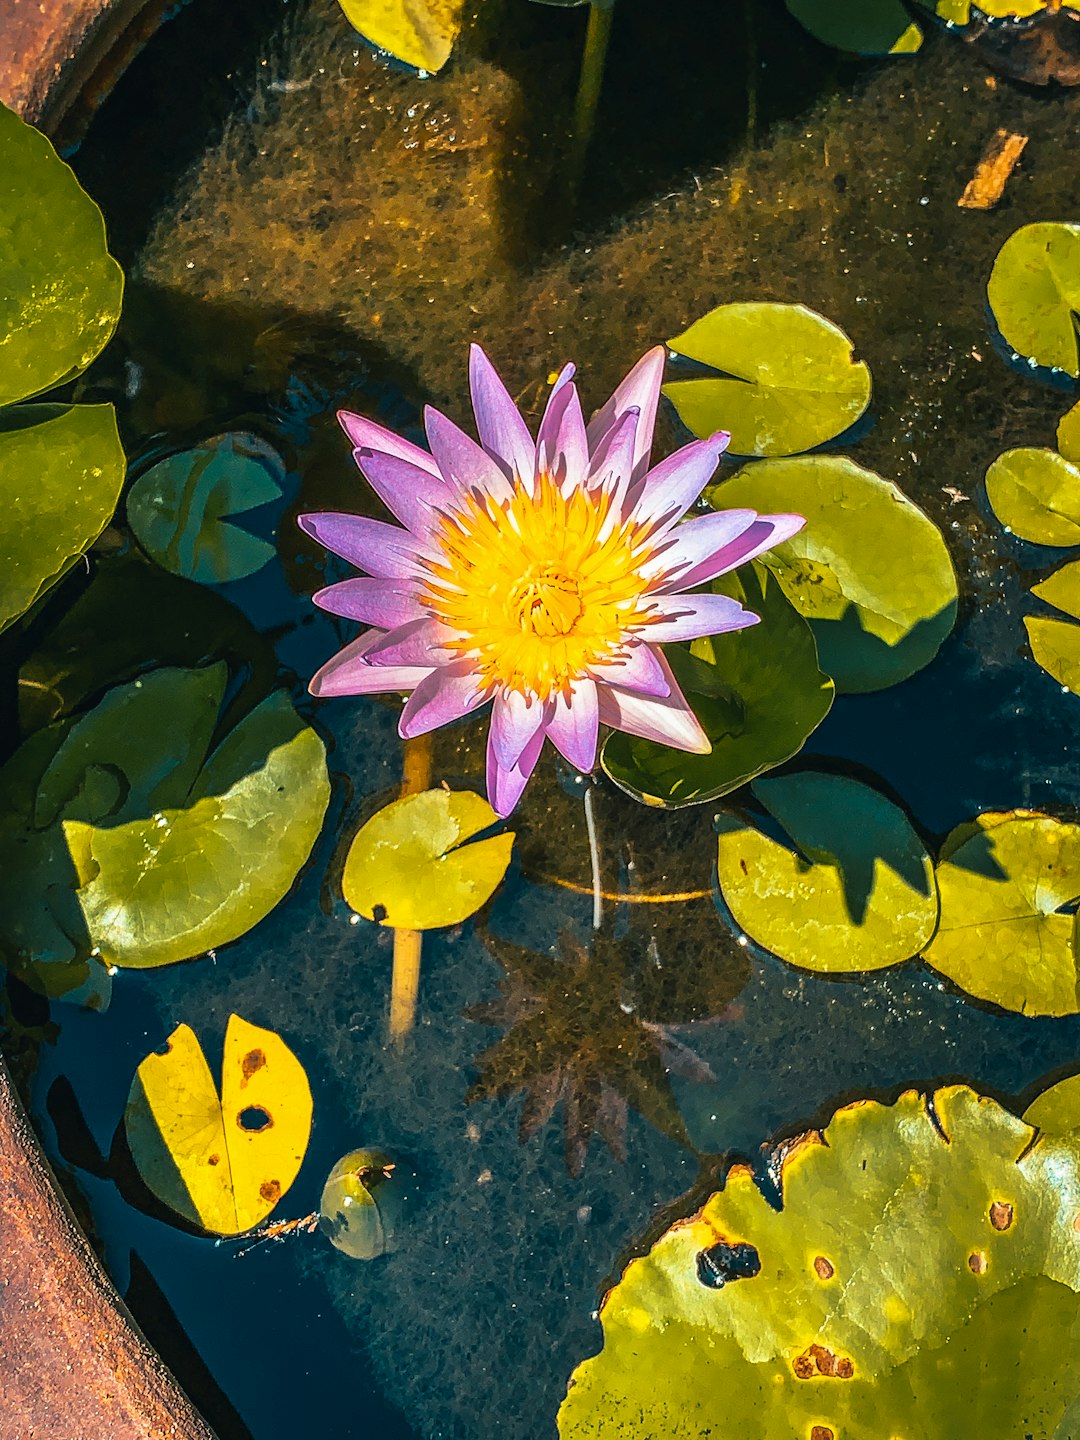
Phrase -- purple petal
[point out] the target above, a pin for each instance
(418, 642)
(514, 721)
(365, 434)
(704, 548)
(348, 673)
(639, 670)
(666, 719)
(384, 551)
(612, 462)
(462, 462)
(373, 602)
(561, 448)
(409, 493)
(573, 727)
(669, 490)
(504, 785)
(687, 617)
(640, 391)
(444, 694)
(503, 433)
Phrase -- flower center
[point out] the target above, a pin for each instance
(539, 587)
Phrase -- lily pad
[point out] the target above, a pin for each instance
(1036, 494)
(410, 868)
(850, 887)
(1055, 644)
(181, 507)
(959, 12)
(1034, 292)
(1007, 882)
(419, 32)
(361, 1204)
(788, 378)
(60, 289)
(869, 571)
(1068, 434)
(920, 1279)
(759, 694)
(222, 1162)
(1056, 1110)
(864, 27)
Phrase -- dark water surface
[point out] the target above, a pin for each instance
(306, 227)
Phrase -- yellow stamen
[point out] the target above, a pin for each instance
(540, 587)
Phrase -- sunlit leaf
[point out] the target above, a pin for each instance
(180, 509)
(788, 379)
(850, 887)
(920, 1279)
(866, 27)
(1004, 935)
(223, 1161)
(959, 12)
(1056, 1110)
(759, 693)
(410, 867)
(869, 571)
(1055, 644)
(1068, 434)
(361, 1206)
(419, 32)
(1036, 494)
(1034, 292)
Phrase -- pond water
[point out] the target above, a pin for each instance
(307, 226)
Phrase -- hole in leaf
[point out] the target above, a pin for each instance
(722, 1263)
(254, 1118)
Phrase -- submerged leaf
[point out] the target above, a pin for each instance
(869, 571)
(409, 866)
(1006, 883)
(759, 694)
(221, 1162)
(1036, 494)
(920, 1279)
(419, 32)
(790, 379)
(1034, 292)
(361, 1204)
(850, 888)
(866, 27)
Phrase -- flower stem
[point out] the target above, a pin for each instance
(405, 981)
(597, 37)
(594, 857)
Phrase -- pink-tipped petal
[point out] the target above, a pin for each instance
(349, 673)
(688, 617)
(505, 783)
(366, 434)
(419, 642)
(503, 433)
(384, 551)
(573, 727)
(462, 462)
(640, 391)
(515, 719)
(612, 462)
(409, 493)
(639, 670)
(561, 449)
(443, 695)
(668, 491)
(699, 551)
(666, 719)
(381, 603)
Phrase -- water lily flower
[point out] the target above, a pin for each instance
(541, 575)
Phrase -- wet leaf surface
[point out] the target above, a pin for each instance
(1034, 293)
(759, 693)
(788, 379)
(221, 1161)
(419, 32)
(849, 887)
(410, 867)
(870, 571)
(921, 1277)
(362, 1202)
(1036, 494)
(1004, 935)
(866, 27)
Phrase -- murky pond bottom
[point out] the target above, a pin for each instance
(339, 240)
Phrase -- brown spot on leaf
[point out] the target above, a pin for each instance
(270, 1189)
(213, 1159)
(821, 1432)
(803, 1366)
(1001, 1215)
(977, 1262)
(1076, 1223)
(818, 1361)
(825, 1268)
(252, 1061)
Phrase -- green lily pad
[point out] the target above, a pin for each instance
(419, 32)
(1034, 292)
(920, 1279)
(1056, 1110)
(850, 888)
(1055, 645)
(1036, 494)
(410, 868)
(362, 1202)
(77, 465)
(758, 693)
(1068, 434)
(1003, 936)
(60, 289)
(864, 27)
(788, 381)
(179, 509)
(869, 571)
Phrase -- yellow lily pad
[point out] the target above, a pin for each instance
(1068, 434)
(1056, 1110)
(409, 866)
(1036, 493)
(223, 1161)
(1034, 292)
(419, 32)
